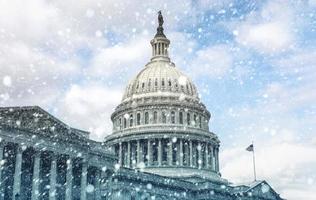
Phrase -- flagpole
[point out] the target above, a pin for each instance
(254, 162)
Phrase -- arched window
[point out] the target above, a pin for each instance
(169, 83)
(138, 118)
(124, 123)
(180, 117)
(163, 82)
(195, 120)
(146, 118)
(120, 124)
(131, 120)
(200, 121)
(164, 117)
(188, 119)
(173, 117)
(155, 117)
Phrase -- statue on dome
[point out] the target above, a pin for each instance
(160, 18)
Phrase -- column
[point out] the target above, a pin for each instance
(17, 172)
(36, 175)
(139, 156)
(217, 161)
(213, 160)
(120, 154)
(181, 153)
(2, 144)
(191, 153)
(159, 153)
(200, 159)
(84, 172)
(206, 156)
(128, 154)
(149, 152)
(53, 176)
(69, 179)
(97, 185)
(170, 152)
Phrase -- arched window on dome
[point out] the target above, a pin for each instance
(146, 118)
(176, 84)
(169, 83)
(194, 120)
(155, 117)
(138, 118)
(124, 122)
(188, 119)
(200, 122)
(131, 121)
(180, 117)
(173, 117)
(143, 85)
(120, 123)
(163, 117)
(163, 82)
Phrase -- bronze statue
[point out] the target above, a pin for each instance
(160, 18)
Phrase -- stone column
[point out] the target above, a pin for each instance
(139, 155)
(200, 159)
(128, 154)
(206, 156)
(84, 173)
(159, 153)
(53, 176)
(149, 152)
(36, 175)
(191, 153)
(213, 159)
(98, 185)
(170, 152)
(17, 173)
(217, 160)
(2, 144)
(69, 178)
(181, 153)
(120, 154)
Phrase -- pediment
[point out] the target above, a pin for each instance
(36, 120)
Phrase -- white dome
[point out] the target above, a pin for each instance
(160, 78)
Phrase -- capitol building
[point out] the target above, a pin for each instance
(161, 147)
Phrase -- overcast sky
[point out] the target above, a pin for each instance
(254, 63)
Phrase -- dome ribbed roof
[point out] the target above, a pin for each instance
(160, 78)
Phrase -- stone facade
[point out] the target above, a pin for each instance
(160, 148)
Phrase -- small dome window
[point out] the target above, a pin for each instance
(163, 83)
(146, 118)
(169, 83)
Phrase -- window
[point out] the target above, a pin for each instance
(195, 120)
(143, 85)
(146, 118)
(125, 123)
(169, 83)
(131, 120)
(173, 117)
(156, 82)
(120, 124)
(200, 121)
(188, 119)
(155, 117)
(138, 118)
(164, 117)
(181, 117)
(149, 83)
(163, 82)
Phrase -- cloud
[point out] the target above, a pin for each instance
(212, 62)
(268, 30)
(89, 107)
